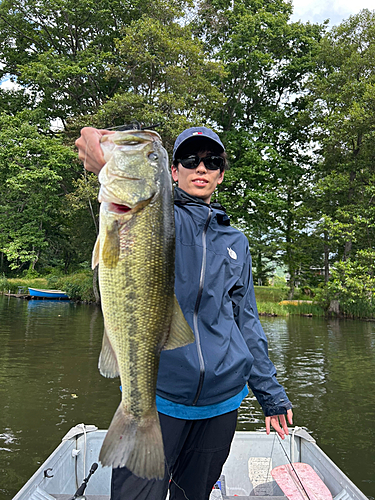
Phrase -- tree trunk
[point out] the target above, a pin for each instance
(348, 243)
(326, 258)
(347, 249)
(95, 285)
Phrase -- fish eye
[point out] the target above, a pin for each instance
(153, 156)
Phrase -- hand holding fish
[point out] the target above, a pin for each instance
(89, 149)
(276, 420)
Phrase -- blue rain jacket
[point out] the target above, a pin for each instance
(214, 288)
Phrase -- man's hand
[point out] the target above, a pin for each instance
(89, 150)
(276, 420)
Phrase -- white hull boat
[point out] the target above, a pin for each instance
(246, 474)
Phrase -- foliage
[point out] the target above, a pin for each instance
(278, 281)
(265, 126)
(4, 283)
(81, 222)
(166, 77)
(342, 105)
(293, 103)
(78, 286)
(61, 50)
(352, 285)
(270, 293)
(32, 165)
(13, 284)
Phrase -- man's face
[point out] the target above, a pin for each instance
(199, 181)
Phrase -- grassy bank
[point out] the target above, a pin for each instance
(271, 301)
(304, 308)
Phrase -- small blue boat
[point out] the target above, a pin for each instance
(48, 294)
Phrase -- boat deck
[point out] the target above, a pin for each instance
(246, 475)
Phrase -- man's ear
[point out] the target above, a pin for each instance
(174, 170)
(221, 177)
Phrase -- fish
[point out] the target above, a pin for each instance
(135, 252)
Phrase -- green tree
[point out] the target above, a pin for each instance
(32, 165)
(352, 285)
(61, 50)
(264, 121)
(167, 79)
(343, 104)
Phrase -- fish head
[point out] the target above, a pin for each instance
(135, 168)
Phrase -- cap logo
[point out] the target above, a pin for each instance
(197, 133)
(232, 254)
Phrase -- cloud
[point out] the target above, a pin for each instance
(6, 84)
(336, 10)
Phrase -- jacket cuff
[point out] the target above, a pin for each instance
(270, 411)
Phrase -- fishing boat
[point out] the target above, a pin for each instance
(72, 470)
(48, 294)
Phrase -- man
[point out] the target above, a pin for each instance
(201, 386)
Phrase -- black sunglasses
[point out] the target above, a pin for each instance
(211, 162)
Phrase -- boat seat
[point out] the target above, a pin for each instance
(255, 497)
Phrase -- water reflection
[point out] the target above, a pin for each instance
(49, 382)
(327, 367)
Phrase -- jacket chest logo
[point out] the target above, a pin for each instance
(232, 254)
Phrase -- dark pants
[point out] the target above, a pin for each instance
(195, 451)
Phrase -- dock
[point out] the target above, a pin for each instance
(18, 295)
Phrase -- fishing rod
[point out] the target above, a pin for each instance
(294, 470)
(81, 489)
(134, 125)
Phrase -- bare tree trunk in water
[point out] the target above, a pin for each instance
(95, 285)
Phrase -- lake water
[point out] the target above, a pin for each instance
(49, 382)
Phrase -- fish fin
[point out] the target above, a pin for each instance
(108, 365)
(147, 457)
(138, 445)
(95, 254)
(180, 333)
(111, 246)
(119, 440)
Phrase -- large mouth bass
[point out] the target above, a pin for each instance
(135, 253)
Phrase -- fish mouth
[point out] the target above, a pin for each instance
(121, 208)
(118, 208)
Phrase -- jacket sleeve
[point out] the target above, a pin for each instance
(269, 393)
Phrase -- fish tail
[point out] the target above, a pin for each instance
(136, 445)
(119, 440)
(147, 457)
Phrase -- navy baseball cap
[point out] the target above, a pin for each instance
(195, 133)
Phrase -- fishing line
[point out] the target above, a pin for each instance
(134, 125)
(290, 463)
(269, 465)
(174, 482)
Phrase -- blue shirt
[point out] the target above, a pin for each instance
(177, 410)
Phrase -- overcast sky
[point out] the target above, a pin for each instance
(336, 11)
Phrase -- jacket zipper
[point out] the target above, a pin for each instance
(202, 368)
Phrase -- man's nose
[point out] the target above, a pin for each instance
(202, 167)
